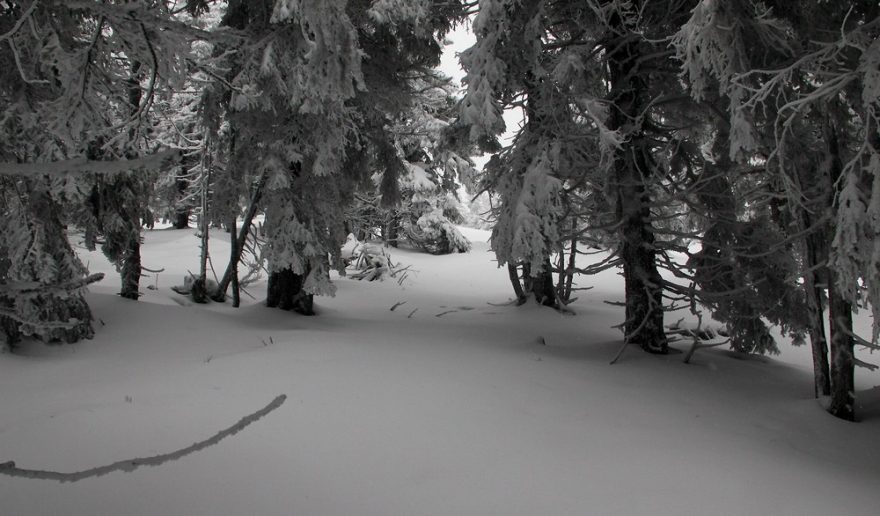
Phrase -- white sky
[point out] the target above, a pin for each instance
(460, 39)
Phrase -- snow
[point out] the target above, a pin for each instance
(446, 405)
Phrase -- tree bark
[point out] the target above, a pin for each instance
(513, 273)
(842, 367)
(542, 285)
(233, 264)
(813, 289)
(842, 363)
(391, 235)
(633, 169)
(643, 285)
(238, 242)
(131, 266)
(285, 292)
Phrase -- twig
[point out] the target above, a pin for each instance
(509, 303)
(33, 287)
(441, 314)
(399, 303)
(129, 465)
(620, 352)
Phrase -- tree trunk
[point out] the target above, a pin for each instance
(569, 271)
(181, 219)
(842, 363)
(842, 370)
(633, 169)
(391, 235)
(131, 266)
(131, 215)
(233, 264)
(181, 211)
(238, 242)
(813, 291)
(513, 273)
(285, 292)
(542, 285)
(643, 287)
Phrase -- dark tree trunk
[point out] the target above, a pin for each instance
(513, 273)
(233, 263)
(633, 169)
(131, 266)
(643, 286)
(391, 235)
(131, 215)
(239, 241)
(542, 285)
(285, 292)
(181, 219)
(842, 363)
(842, 367)
(813, 282)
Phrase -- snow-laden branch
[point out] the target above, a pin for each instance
(20, 288)
(128, 465)
(78, 166)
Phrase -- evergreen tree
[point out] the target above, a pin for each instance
(79, 83)
(316, 88)
(428, 206)
(821, 87)
(594, 83)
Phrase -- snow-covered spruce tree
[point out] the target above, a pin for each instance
(189, 120)
(428, 208)
(43, 280)
(505, 63)
(604, 66)
(317, 83)
(78, 83)
(831, 70)
(745, 270)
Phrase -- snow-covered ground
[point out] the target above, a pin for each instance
(446, 405)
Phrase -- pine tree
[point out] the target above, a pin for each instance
(317, 86)
(593, 81)
(820, 58)
(428, 206)
(78, 85)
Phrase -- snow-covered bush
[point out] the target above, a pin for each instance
(368, 262)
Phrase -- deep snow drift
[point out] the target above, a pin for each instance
(446, 405)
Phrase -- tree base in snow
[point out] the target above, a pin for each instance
(285, 292)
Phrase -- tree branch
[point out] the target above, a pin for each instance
(129, 465)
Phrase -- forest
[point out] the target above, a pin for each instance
(724, 155)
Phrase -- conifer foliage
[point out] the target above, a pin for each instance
(734, 143)
(77, 87)
(740, 134)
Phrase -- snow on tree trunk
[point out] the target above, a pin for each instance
(285, 291)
